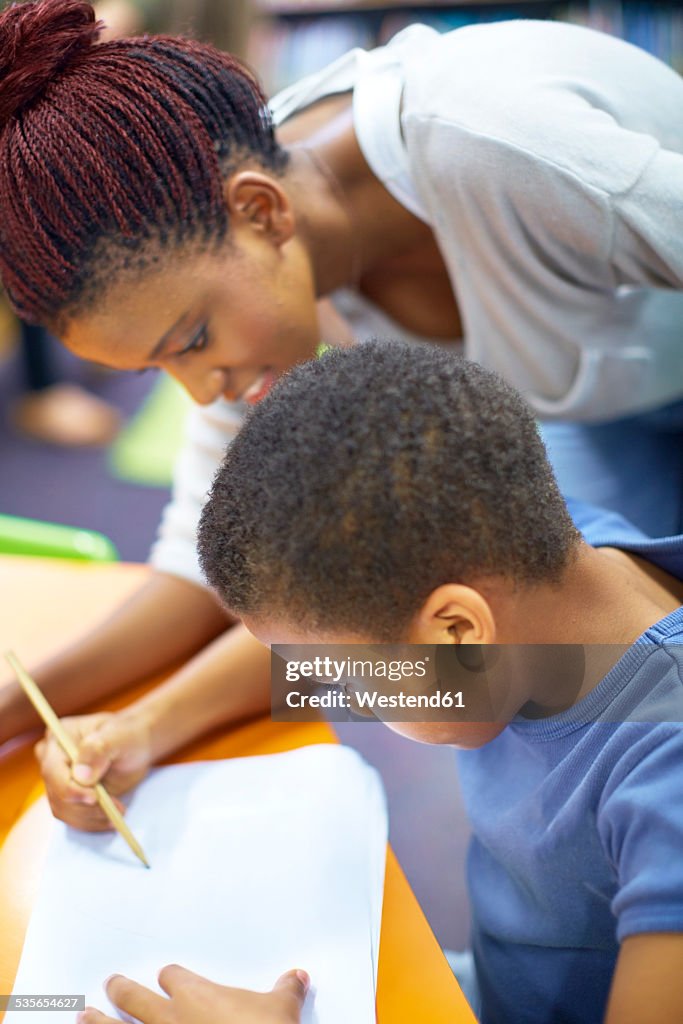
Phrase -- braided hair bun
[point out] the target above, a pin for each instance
(38, 40)
(112, 154)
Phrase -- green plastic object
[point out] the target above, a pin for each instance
(51, 540)
(147, 448)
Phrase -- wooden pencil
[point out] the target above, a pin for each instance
(37, 698)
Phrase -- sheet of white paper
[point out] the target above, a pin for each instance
(259, 865)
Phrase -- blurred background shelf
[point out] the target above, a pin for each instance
(290, 39)
(287, 8)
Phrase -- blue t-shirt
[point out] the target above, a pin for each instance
(578, 823)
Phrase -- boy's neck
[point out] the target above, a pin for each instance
(607, 599)
(607, 596)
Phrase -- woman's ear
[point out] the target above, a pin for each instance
(454, 614)
(257, 201)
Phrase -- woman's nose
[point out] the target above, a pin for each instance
(205, 386)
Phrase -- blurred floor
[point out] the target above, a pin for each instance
(74, 486)
(428, 827)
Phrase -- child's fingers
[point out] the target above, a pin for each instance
(172, 977)
(56, 771)
(80, 816)
(96, 753)
(292, 988)
(136, 1000)
(92, 1016)
(73, 804)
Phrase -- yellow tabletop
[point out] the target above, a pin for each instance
(47, 603)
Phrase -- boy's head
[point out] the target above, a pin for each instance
(377, 494)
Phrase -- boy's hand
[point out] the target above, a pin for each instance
(194, 1000)
(113, 749)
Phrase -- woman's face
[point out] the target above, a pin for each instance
(223, 323)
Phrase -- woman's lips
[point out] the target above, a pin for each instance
(260, 388)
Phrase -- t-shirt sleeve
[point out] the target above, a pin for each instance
(640, 821)
(208, 432)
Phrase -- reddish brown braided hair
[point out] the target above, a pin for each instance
(112, 153)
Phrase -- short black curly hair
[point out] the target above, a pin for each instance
(368, 478)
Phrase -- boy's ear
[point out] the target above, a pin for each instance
(454, 614)
(257, 200)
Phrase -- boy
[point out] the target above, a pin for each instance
(396, 494)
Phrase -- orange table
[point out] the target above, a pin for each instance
(45, 603)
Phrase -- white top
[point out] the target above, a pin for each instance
(548, 160)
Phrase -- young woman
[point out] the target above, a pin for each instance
(512, 189)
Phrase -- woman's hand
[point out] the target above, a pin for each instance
(194, 1000)
(112, 748)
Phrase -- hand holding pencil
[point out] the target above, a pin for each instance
(104, 744)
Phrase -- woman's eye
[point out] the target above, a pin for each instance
(197, 342)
